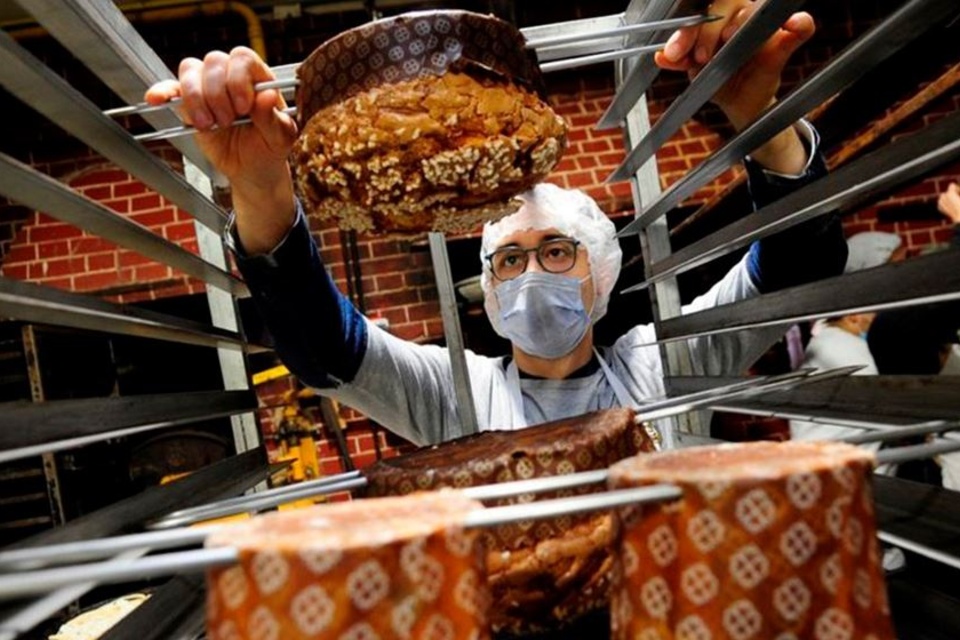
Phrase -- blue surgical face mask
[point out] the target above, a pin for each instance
(543, 313)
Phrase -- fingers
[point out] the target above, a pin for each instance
(220, 88)
(163, 91)
(676, 54)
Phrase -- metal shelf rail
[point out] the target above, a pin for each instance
(98, 34)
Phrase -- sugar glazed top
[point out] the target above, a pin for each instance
(426, 121)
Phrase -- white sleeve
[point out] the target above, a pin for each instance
(733, 352)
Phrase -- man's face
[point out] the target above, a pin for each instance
(532, 239)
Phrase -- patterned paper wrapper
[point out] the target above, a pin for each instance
(770, 541)
(542, 573)
(408, 46)
(390, 568)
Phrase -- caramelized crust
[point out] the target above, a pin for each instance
(442, 153)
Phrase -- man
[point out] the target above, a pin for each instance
(548, 270)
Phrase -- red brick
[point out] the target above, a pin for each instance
(390, 282)
(383, 248)
(587, 121)
(55, 249)
(98, 192)
(90, 244)
(408, 331)
(59, 283)
(129, 189)
(916, 239)
(612, 159)
(596, 146)
(100, 177)
(14, 271)
(330, 238)
(569, 108)
(121, 205)
(587, 162)
(145, 202)
(180, 231)
(576, 135)
(943, 235)
(670, 166)
(94, 281)
(53, 232)
(423, 311)
(20, 253)
(579, 179)
(394, 316)
(567, 164)
(63, 267)
(392, 299)
(379, 266)
(132, 259)
(151, 272)
(154, 219)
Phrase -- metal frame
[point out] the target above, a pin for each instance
(97, 33)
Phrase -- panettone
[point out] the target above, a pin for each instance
(543, 574)
(425, 121)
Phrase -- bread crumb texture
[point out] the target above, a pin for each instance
(438, 153)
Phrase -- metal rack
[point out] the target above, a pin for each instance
(98, 34)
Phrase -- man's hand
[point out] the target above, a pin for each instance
(215, 92)
(754, 87)
(949, 202)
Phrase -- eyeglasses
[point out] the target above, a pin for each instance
(558, 255)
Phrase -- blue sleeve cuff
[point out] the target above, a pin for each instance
(806, 252)
(318, 333)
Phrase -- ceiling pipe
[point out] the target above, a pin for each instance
(169, 10)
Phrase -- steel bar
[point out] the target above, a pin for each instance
(28, 429)
(878, 172)
(636, 79)
(768, 385)
(145, 107)
(535, 485)
(98, 548)
(32, 82)
(497, 516)
(925, 279)
(764, 22)
(26, 185)
(898, 30)
(44, 305)
(224, 478)
(895, 433)
(872, 400)
(186, 130)
(870, 423)
(26, 618)
(610, 56)
(453, 335)
(99, 35)
(898, 455)
(255, 502)
(34, 582)
(171, 613)
(919, 549)
(31, 583)
(321, 483)
(276, 496)
(624, 30)
(923, 513)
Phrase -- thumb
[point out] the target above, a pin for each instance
(278, 129)
(795, 31)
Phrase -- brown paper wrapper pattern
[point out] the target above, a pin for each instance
(770, 541)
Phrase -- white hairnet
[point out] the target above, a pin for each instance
(870, 249)
(571, 212)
